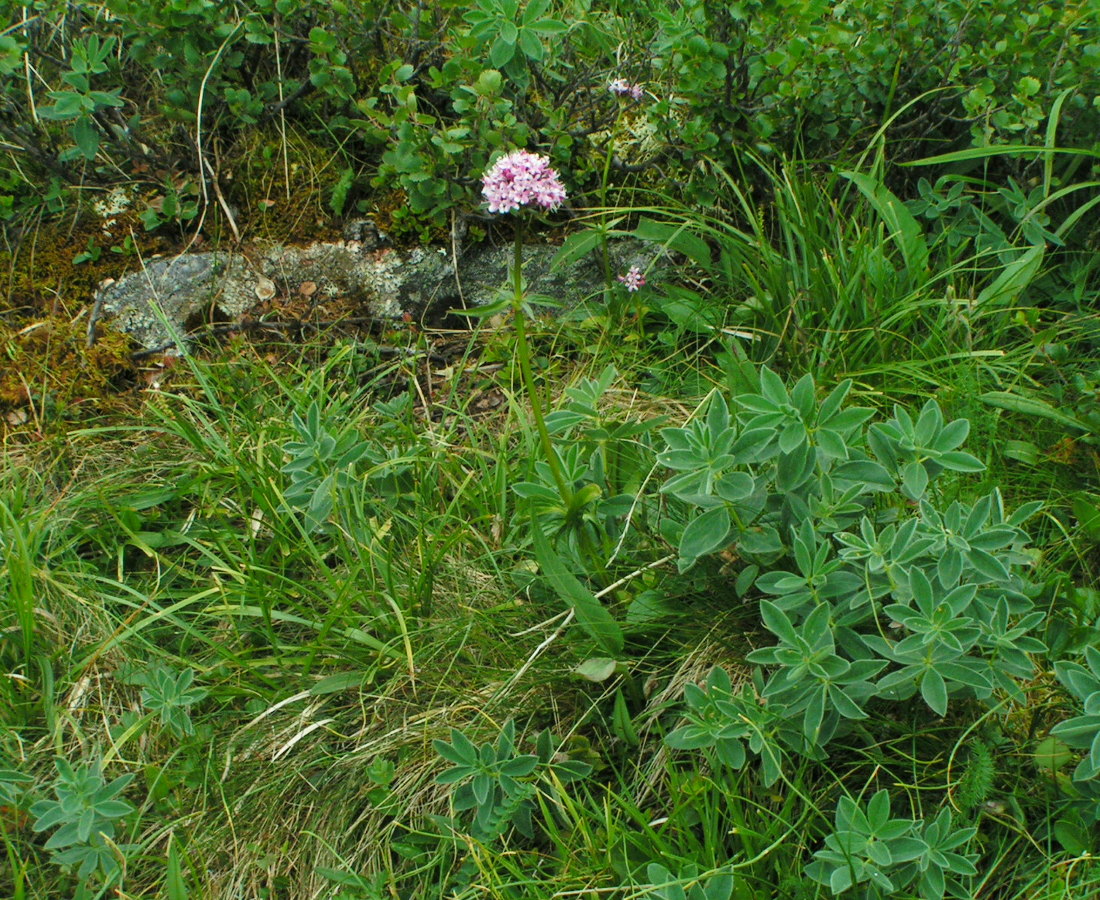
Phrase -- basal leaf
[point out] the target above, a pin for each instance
(591, 615)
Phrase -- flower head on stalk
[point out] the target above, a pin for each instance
(522, 179)
(516, 180)
(633, 279)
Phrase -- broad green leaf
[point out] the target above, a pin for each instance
(174, 884)
(501, 53)
(866, 471)
(921, 588)
(705, 533)
(1031, 406)
(675, 237)
(520, 766)
(1024, 513)
(496, 307)
(914, 480)
(86, 136)
(929, 423)
(814, 714)
(591, 615)
(530, 44)
(794, 469)
(949, 567)
(934, 691)
(731, 753)
(1051, 754)
(802, 397)
(622, 723)
(846, 706)
(792, 437)
(342, 681)
(597, 668)
(760, 541)
(988, 565)
(840, 879)
(489, 82)
(777, 622)
(831, 404)
(817, 629)
(749, 445)
(735, 486)
(772, 387)
(831, 444)
(957, 461)
(549, 27)
(1086, 508)
(1013, 280)
(464, 749)
(482, 786)
(849, 419)
(576, 246)
(534, 11)
(952, 436)
(1074, 836)
(905, 229)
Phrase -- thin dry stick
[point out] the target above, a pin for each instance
(93, 319)
(282, 111)
(454, 257)
(27, 73)
(540, 626)
(221, 198)
(203, 165)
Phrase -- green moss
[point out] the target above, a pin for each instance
(281, 188)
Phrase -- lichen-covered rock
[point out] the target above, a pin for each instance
(386, 282)
(158, 304)
(485, 273)
(169, 296)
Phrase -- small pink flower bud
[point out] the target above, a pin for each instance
(633, 279)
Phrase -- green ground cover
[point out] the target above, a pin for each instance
(775, 577)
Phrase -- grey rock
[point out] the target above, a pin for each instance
(170, 296)
(387, 283)
(158, 304)
(484, 273)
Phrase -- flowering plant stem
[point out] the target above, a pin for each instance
(528, 376)
(605, 249)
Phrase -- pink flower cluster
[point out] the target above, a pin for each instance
(522, 179)
(633, 279)
(622, 87)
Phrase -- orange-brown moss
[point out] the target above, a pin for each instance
(44, 309)
(48, 363)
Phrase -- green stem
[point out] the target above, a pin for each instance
(605, 250)
(529, 378)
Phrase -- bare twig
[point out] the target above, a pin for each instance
(203, 164)
(221, 200)
(97, 311)
(282, 109)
